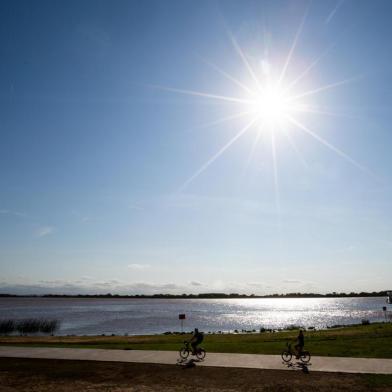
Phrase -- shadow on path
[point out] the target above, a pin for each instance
(187, 362)
(298, 366)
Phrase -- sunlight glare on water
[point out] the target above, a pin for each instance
(147, 316)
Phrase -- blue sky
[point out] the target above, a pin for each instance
(109, 181)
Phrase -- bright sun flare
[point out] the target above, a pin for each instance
(269, 105)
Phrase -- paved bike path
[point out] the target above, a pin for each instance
(255, 361)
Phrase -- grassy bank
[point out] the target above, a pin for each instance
(370, 341)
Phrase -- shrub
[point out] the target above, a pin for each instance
(48, 326)
(29, 326)
(7, 326)
(292, 327)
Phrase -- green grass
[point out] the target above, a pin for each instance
(369, 341)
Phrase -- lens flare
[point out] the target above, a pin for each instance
(270, 105)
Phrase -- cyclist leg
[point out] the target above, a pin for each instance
(297, 350)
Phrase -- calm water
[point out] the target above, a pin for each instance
(148, 316)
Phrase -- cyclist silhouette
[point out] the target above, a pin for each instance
(197, 338)
(300, 343)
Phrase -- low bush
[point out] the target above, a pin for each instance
(28, 326)
(7, 327)
(48, 326)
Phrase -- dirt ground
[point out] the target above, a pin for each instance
(64, 376)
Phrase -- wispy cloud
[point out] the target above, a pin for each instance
(194, 283)
(58, 286)
(292, 281)
(256, 285)
(82, 218)
(12, 213)
(87, 277)
(43, 231)
(136, 266)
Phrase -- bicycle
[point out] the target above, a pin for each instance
(288, 353)
(186, 350)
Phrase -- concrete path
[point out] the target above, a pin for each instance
(255, 361)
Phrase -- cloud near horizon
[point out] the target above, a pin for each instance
(112, 286)
(115, 286)
(137, 266)
(292, 281)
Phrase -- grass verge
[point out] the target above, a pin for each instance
(367, 341)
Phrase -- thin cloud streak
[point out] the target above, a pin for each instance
(139, 267)
(12, 213)
(44, 231)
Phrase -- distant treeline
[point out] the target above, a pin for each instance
(210, 295)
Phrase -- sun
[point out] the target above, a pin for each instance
(271, 105)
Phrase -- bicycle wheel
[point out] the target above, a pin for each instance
(184, 353)
(201, 353)
(305, 357)
(286, 356)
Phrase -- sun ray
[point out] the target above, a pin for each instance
(294, 44)
(203, 94)
(219, 121)
(276, 179)
(309, 68)
(254, 144)
(244, 60)
(330, 146)
(272, 105)
(295, 148)
(217, 154)
(228, 76)
(323, 88)
(316, 110)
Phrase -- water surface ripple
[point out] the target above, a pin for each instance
(93, 316)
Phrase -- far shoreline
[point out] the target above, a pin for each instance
(383, 293)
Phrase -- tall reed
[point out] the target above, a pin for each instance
(28, 326)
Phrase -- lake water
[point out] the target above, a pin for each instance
(149, 316)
